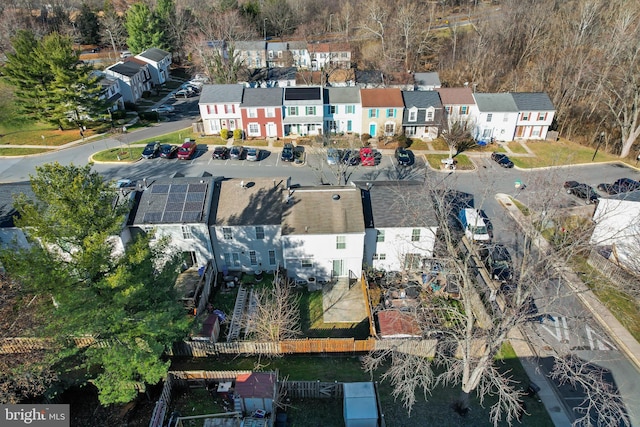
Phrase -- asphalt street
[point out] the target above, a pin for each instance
(569, 326)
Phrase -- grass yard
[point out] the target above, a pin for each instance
(21, 151)
(119, 155)
(435, 161)
(515, 147)
(313, 326)
(560, 153)
(435, 411)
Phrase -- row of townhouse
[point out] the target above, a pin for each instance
(298, 54)
(312, 110)
(127, 80)
(266, 223)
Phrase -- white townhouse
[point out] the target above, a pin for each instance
(300, 54)
(252, 54)
(323, 233)
(159, 63)
(342, 110)
(497, 117)
(179, 209)
(303, 110)
(400, 223)
(220, 107)
(133, 78)
(459, 106)
(536, 113)
(246, 226)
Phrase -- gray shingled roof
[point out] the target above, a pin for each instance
(427, 79)
(277, 46)
(175, 201)
(129, 68)
(324, 210)
(262, 97)
(298, 45)
(249, 45)
(421, 99)
(7, 193)
(154, 54)
(495, 102)
(342, 95)
(532, 101)
(389, 204)
(252, 201)
(219, 94)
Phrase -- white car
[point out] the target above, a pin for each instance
(164, 108)
(253, 154)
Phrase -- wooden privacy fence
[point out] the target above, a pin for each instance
(424, 348)
(28, 345)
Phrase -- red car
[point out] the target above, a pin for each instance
(369, 157)
(187, 150)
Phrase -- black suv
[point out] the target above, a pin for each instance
(502, 159)
(497, 259)
(220, 153)
(584, 191)
(287, 153)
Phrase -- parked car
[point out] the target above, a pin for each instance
(164, 108)
(298, 154)
(334, 156)
(187, 150)
(404, 157)
(236, 152)
(502, 159)
(151, 150)
(369, 156)
(253, 154)
(622, 185)
(168, 151)
(287, 153)
(184, 93)
(220, 153)
(583, 191)
(497, 260)
(351, 157)
(192, 87)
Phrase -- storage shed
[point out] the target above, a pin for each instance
(255, 392)
(360, 405)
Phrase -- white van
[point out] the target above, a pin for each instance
(474, 225)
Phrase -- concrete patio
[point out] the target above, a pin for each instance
(341, 304)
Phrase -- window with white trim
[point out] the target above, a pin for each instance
(306, 263)
(350, 109)
(341, 242)
(232, 259)
(379, 257)
(293, 111)
(270, 112)
(415, 235)
(272, 257)
(413, 115)
(391, 112)
(227, 234)
(464, 109)
(253, 258)
(310, 111)
(489, 117)
(429, 116)
(525, 116)
(252, 113)
(259, 232)
(380, 236)
(186, 232)
(253, 129)
(373, 113)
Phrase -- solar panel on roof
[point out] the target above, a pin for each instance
(171, 216)
(190, 216)
(195, 197)
(193, 206)
(302, 93)
(160, 189)
(174, 207)
(178, 188)
(152, 217)
(197, 188)
(176, 198)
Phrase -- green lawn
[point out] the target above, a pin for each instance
(20, 151)
(435, 161)
(516, 147)
(119, 155)
(435, 411)
(560, 153)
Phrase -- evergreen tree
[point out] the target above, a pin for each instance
(52, 84)
(142, 28)
(127, 302)
(88, 25)
(164, 15)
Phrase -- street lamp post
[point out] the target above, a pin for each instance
(330, 16)
(264, 28)
(600, 139)
(113, 44)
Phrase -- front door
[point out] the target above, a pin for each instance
(271, 130)
(372, 130)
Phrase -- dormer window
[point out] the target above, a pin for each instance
(413, 114)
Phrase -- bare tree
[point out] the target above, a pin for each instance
(276, 313)
(471, 329)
